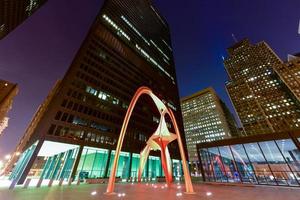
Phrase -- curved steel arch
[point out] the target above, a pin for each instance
(158, 141)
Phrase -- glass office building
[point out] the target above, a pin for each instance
(127, 46)
(272, 159)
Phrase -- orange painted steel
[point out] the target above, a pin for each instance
(157, 141)
(187, 178)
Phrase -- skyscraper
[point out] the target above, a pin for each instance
(289, 73)
(127, 46)
(14, 12)
(7, 92)
(206, 118)
(263, 102)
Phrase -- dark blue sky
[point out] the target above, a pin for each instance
(40, 50)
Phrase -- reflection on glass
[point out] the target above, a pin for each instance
(229, 165)
(269, 162)
(217, 165)
(260, 165)
(177, 168)
(292, 157)
(206, 165)
(243, 164)
(280, 169)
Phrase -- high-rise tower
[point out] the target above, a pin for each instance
(289, 73)
(127, 46)
(206, 118)
(263, 102)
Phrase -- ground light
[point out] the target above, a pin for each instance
(93, 193)
(179, 194)
(208, 193)
(121, 194)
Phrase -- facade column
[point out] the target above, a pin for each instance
(107, 164)
(201, 166)
(76, 162)
(130, 166)
(147, 167)
(30, 163)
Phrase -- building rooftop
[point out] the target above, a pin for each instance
(201, 92)
(5, 89)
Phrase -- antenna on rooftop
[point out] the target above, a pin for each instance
(234, 38)
(299, 28)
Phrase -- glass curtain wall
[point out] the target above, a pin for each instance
(270, 162)
(92, 163)
(22, 162)
(59, 166)
(154, 167)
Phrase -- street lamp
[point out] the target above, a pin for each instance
(7, 157)
(1, 165)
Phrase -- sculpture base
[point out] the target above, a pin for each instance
(190, 193)
(110, 193)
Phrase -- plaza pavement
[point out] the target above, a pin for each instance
(152, 192)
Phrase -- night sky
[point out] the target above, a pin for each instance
(40, 50)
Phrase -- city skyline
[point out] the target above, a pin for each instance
(32, 94)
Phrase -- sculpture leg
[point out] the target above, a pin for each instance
(165, 166)
(187, 178)
(112, 177)
(143, 159)
(169, 164)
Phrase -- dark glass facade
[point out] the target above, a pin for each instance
(273, 159)
(14, 12)
(128, 46)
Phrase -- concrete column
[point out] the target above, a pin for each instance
(30, 162)
(39, 183)
(147, 167)
(76, 162)
(107, 165)
(27, 183)
(50, 182)
(61, 182)
(130, 165)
